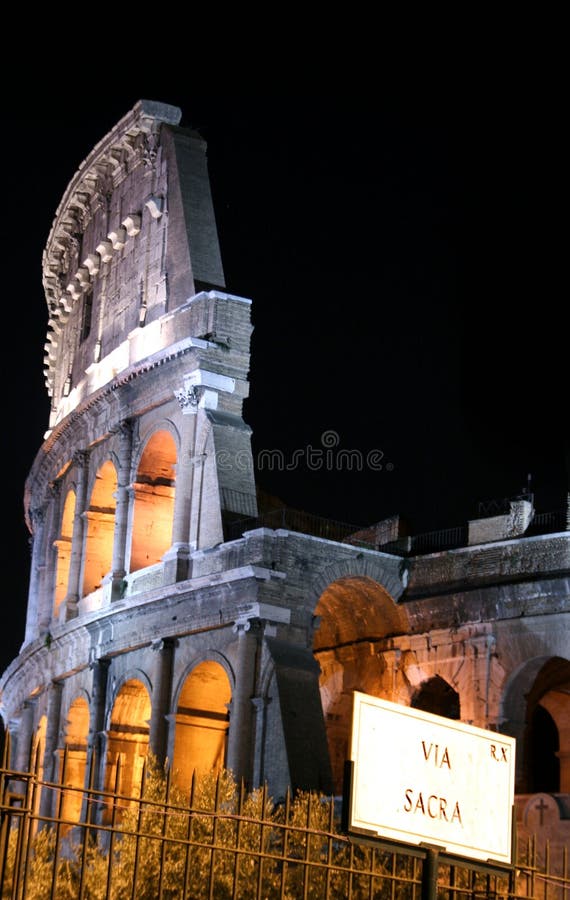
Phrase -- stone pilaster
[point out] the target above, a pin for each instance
(97, 740)
(161, 689)
(74, 587)
(122, 510)
(22, 762)
(176, 560)
(240, 736)
(38, 516)
(49, 797)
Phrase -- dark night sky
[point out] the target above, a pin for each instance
(406, 269)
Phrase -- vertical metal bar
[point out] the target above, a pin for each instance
(163, 843)
(306, 865)
(238, 841)
(214, 838)
(393, 873)
(58, 823)
(189, 833)
(26, 835)
(285, 845)
(452, 882)
(261, 833)
(350, 871)
(86, 830)
(113, 824)
(429, 875)
(329, 850)
(137, 839)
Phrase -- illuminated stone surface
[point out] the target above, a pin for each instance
(145, 465)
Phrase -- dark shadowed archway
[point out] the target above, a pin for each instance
(437, 696)
(353, 613)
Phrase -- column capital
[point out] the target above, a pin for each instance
(124, 428)
(167, 643)
(80, 458)
(189, 397)
(245, 624)
(260, 703)
(38, 515)
(99, 662)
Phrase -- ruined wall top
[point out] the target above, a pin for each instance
(133, 238)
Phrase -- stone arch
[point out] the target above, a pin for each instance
(435, 695)
(354, 613)
(99, 537)
(538, 692)
(127, 737)
(74, 757)
(153, 510)
(63, 547)
(201, 721)
(382, 570)
(209, 655)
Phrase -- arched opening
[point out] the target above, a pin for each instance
(353, 612)
(127, 742)
(536, 710)
(154, 501)
(73, 760)
(100, 528)
(202, 722)
(547, 734)
(63, 546)
(437, 696)
(544, 764)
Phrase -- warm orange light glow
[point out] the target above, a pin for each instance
(128, 738)
(201, 722)
(100, 528)
(154, 502)
(73, 774)
(63, 546)
(351, 608)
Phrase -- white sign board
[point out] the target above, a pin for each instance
(420, 778)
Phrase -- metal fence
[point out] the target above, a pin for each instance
(216, 841)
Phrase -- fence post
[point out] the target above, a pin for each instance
(429, 875)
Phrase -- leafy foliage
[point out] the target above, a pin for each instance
(217, 841)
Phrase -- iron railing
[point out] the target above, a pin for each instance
(364, 536)
(216, 841)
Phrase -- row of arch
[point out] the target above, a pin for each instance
(200, 737)
(150, 519)
(201, 726)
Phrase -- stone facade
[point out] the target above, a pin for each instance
(147, 626)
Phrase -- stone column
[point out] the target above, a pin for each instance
(97, 740)
(240, 736)
(22, 761)
(48, 797)
(161, 689)
(74, 586)
(176, 560)
(53, 519)
(33, 615)
(123, 498)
